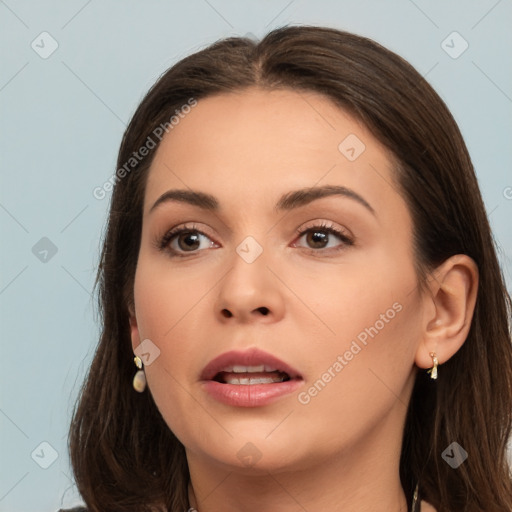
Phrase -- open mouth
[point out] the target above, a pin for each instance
(248, 367)
(249, 378)
(251, 375)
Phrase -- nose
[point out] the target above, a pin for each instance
(250, 292)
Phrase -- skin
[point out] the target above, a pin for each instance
(340, 451)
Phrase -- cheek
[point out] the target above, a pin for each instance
(162, 302)
(350, 396)
(366, 298)
(163, 297)
(366, 363)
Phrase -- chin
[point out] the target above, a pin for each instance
(256, 455)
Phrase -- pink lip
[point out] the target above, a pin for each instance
(240, 395)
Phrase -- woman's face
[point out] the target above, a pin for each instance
(341, 313)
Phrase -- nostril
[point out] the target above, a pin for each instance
(263, 310)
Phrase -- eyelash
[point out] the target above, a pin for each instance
(162, 243)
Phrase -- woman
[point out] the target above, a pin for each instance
(299, 263)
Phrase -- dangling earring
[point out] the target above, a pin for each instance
(139, 381)
(433, 370)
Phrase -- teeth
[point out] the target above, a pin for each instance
(247, 369)
(248, 381)
(238, 368)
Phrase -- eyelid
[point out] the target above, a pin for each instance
(327, 225)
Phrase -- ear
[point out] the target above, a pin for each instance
(134, 328)
(448, 310)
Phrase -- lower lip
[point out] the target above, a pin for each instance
(256, 395)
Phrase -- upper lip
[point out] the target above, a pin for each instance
(251, 357)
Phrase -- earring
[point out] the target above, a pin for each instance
(433, 370)
(139, 381)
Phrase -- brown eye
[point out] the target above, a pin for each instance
(187, 239)
(318, 237)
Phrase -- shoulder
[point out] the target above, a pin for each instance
(427, 507)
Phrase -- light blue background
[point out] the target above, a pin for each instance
(62, 119)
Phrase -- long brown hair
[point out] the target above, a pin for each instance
(125, 457)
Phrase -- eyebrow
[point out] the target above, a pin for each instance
(288, 201)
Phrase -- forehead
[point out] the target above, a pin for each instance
(249, 146)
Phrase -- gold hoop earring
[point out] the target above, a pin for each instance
(139, 381)
(433, 370)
